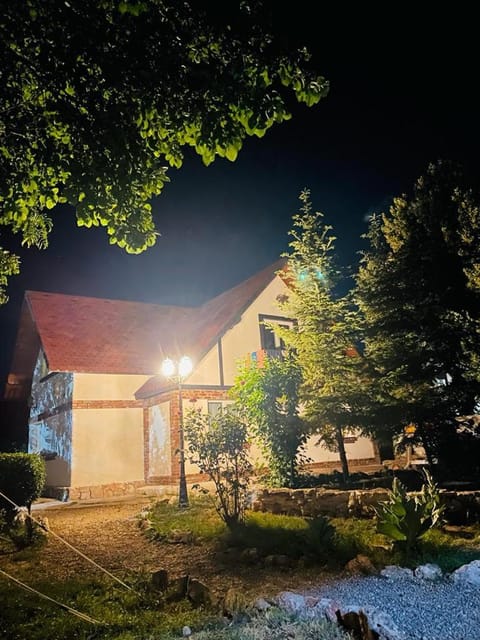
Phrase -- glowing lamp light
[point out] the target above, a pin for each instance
(182, 369)
(168, 367)
(185, 366)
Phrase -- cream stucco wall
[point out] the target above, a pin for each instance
(106, 386)
(361, 448)
(107, 446)
(207, 371)
(244, 337)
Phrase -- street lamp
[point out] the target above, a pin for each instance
(177, 372)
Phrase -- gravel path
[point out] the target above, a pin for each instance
(422, 609)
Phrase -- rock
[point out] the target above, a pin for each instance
(361, 564)
(261, 604)
(468, 573)
(428, 571)
(371, 622)
(198, 593)
(177, 536)
(249, 556)
(323, 608)
(160, 579)
(233, 602)
(186, 631)
(396, 573)
(291, 602)
(277, 561)
(177, 589)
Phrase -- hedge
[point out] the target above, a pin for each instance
(22, 478)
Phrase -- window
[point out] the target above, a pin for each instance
(214, 408)
(268, 338)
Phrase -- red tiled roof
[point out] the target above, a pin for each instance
(212, 319)
(95, 335)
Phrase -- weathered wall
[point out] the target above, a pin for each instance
(461, 507)
(50, 423)
(159, 441)
(107, 446)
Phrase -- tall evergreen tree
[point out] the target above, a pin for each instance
(419, 291)
(326, 337)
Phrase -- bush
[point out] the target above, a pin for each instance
(218, 446)
(22, 478)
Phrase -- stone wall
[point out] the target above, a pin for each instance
(461, 506)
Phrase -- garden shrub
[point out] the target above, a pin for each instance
(22, 478)
(218, 446)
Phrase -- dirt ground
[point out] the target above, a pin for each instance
(109, 534)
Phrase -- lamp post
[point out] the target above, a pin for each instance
(177, 372)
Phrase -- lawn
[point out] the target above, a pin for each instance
(270, 554)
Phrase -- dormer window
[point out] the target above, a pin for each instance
(269, 340)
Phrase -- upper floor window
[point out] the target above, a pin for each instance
(269, 340)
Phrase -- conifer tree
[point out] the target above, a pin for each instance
(419, 291)
(326, 336)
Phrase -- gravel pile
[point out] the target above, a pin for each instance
(422, 609)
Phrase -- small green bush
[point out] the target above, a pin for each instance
(22, 478)
(218, 446)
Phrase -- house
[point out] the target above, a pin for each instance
(104, 418)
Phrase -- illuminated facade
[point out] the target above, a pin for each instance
(104, 418)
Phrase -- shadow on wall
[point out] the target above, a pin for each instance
(58, 471)
(13, 426)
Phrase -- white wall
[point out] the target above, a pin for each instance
(244, 338)
(106, 386)
(207, 371)
(107, 446)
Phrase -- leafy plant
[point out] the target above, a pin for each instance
(22, 478)
(405, 518)
(268, 397)
(218, 446)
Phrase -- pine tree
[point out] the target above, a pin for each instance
(419, 291)
(326, 336)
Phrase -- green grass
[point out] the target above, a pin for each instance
(268, 533)
(276, 625)
(200, 518)
(449, 552)
(143, 615)
(123, 614)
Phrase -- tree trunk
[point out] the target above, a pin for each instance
(343, 455)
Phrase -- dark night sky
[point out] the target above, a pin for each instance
(403, 93)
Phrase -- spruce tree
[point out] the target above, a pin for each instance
(419, 292)
(326, 336)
